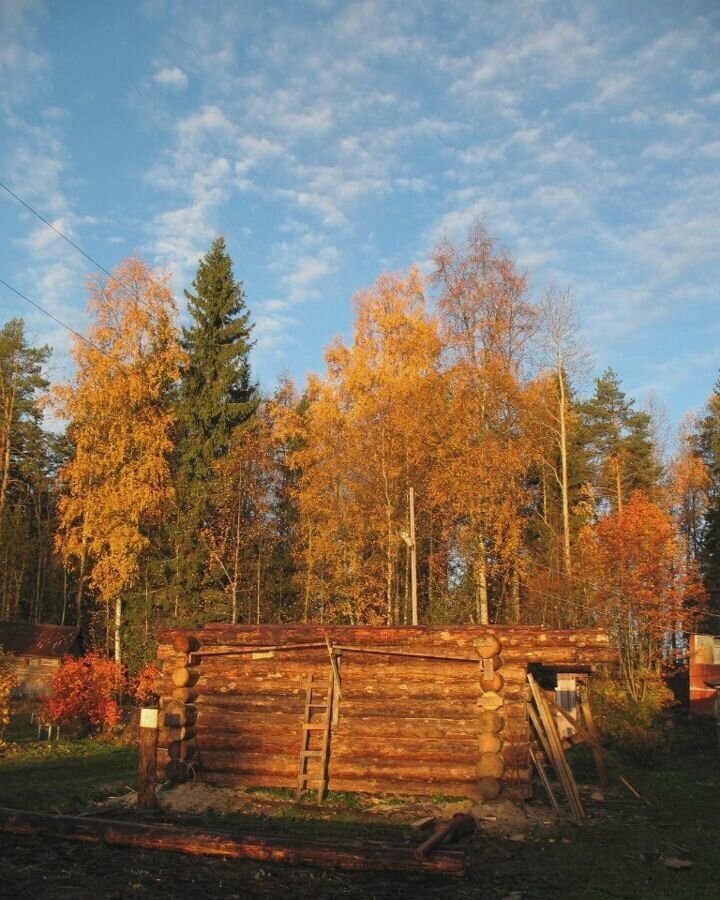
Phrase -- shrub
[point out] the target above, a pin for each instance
(636, 728)
(141, 686)
(85, 690)
(8, 683)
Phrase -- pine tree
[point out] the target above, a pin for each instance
(619, 440)
(216, 396)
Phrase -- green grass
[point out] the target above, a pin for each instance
(65, 775)
(618, 852)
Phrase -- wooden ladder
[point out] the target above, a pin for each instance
(317, 720)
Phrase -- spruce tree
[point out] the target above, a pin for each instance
(709, 447)
(216, 396)
(619, 441)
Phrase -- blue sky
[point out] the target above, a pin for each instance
(329, 141)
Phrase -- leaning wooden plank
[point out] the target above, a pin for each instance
(598, 748)
(540, 769)
(371, 855)
(560, 764)
(586, 710)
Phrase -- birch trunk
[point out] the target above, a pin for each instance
(118, 626)
(564, 471)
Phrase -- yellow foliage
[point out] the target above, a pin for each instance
(117, 482)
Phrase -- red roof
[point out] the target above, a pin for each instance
(53, 641)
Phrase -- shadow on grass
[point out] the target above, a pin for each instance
(64, 775)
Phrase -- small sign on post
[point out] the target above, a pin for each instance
(147, 758)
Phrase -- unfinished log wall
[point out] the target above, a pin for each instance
(428, 711)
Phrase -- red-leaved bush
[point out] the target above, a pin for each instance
(142, 685)
(85, 689)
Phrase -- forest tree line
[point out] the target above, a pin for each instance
(179, 493)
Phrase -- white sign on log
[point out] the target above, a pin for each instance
(148, 718)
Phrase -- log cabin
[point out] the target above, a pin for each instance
(410, 710)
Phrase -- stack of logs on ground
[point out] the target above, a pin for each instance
(413, 710)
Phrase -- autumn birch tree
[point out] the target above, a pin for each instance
(116, 485)
(365, 436)
(564, 358)
(486, 321)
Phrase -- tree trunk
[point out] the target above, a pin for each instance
(482, 610)
(564, 473)
(308, 577)
(236, 562)
(259, 569)
(118, 626)
(81, 575)
(9, 412)
(515, 595)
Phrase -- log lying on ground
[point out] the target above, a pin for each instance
(368, 855)
(459, 826)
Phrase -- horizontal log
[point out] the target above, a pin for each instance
(229, 684)
(352, 855)
(561, 648)
(183, 677)
(401, 684)
(176, 715)
(459, 752)
(489, 742)
(361, 731)
(357, 727)
(512, 782)
(270, 706)
(279, 742)
(490, 765)
(432, 707)
(250, 720)
(215, 633)
(260, 763)
(376, 787)
(184, 733)
(184, 643)
(346, 746)
(278, 695)
(183, 694)
(489, 788)
(487, 646)
(495, 683)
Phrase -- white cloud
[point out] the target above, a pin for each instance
(171, 77)
(273, 330)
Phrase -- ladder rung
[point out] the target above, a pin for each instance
(312, 754)
(312, 727)
(317, 705)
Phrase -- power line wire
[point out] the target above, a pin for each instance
(54, 318)
(64, 236)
